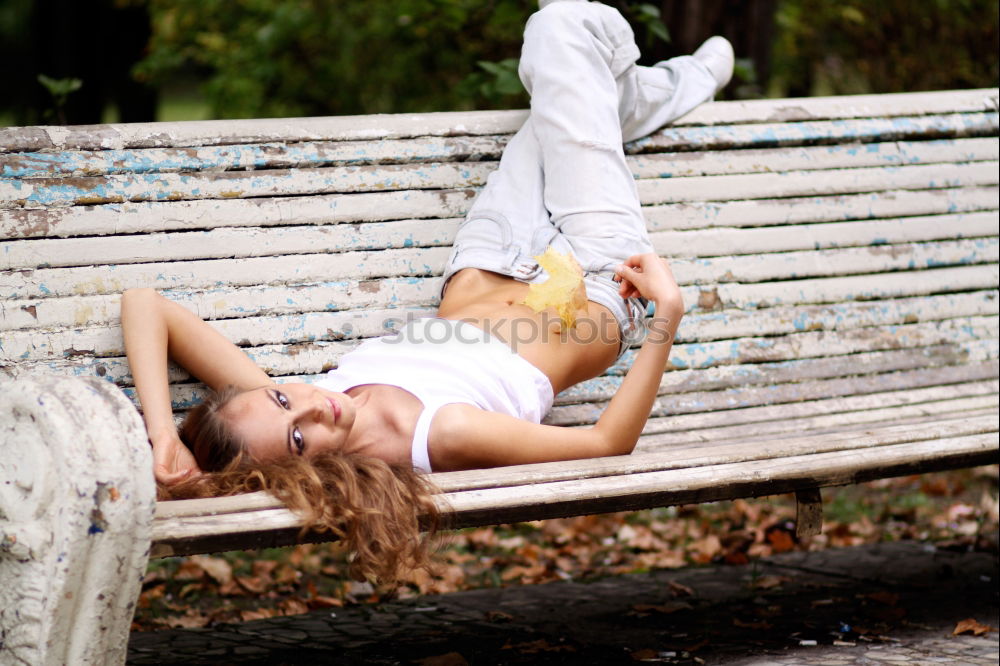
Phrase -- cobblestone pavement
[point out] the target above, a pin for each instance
(893, 603)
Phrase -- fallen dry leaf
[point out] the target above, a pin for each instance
(293, 606)
(446, 659)
(498, 616)
(541, 645)
(645, 654)
(664, 609)
(780, 537)
(217, 568)
(259, 614)
(971, 626)
(680, 590)
(563, 290)
(320, 601)
(191, 619)
(768, 582)
(264, 567)
(253, 584)
(884, 597)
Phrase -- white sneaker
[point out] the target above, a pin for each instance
(716, 53)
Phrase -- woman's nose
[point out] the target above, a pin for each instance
(318, 409)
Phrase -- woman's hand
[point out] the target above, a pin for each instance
(173, 462)
(649, 276)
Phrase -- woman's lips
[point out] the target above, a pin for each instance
(335, 408)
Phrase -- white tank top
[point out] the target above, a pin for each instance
(441, 362)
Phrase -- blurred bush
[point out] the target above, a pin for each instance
(317, 57)
(880, 46)
(273, 58)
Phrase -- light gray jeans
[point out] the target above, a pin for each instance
(563, 180)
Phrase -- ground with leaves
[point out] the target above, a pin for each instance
(955, 509)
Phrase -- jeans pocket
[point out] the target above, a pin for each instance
(488, 229)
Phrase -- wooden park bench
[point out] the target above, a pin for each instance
(838, 257)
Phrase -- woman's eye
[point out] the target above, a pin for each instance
(299, 441)
(282, 400)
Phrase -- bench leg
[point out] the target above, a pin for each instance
(77, 498)
(808, 512)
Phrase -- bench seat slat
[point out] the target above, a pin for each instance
(640, 463)
(461, 149)
(104, 340)
(149, 217)
(740, 397)
(897, 415)
(812, 158)
(352, 128)
(818, 413)
(716, 242)
(809, 390)
(728, 272)
(807, 183)
(268, 241)
(225, 302)
(227, 243)
(239, 184)
(565, 498)
(864, 130)
(851, 288)
(304, 154)
(56, 192)
(718, 482)
(309, 307)
(890, 204)
(209, 273)
(128, 218)
(940, 410)
(318, 356)
(798, 264)
(185, 396)
(772, 448)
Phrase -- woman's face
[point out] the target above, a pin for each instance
(290, 419)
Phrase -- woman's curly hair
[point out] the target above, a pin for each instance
(386, 514)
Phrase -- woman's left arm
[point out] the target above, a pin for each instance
(466, 437)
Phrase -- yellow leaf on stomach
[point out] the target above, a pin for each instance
(564, 290)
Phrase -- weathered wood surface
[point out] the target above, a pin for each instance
(488, 506)
(367, 128)
(300, 240)
(672, 458)
(291, 182)
(948, 342)
(437, 149)
(454, 481)
(838, 258)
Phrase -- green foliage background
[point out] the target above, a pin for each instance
(273, 58)
(321, 57)
(880, 46)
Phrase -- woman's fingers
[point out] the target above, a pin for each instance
(173, 462)
(170, 478)
(646, 275)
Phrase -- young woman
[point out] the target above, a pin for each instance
(469, 387)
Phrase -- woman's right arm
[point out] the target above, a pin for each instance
(155, 330)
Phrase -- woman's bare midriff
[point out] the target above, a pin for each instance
(492, 302)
